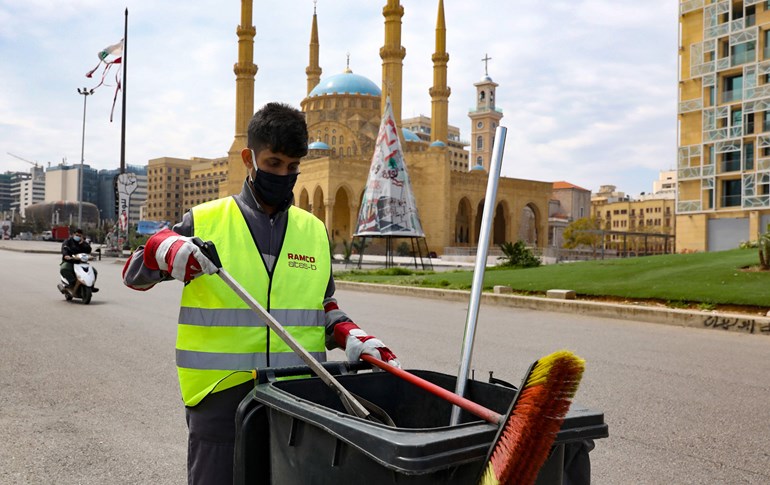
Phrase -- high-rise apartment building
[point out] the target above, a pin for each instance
(165, 184)
(27, 189)
(106, 202)
(203, 184)
(723, 193)
(61, 183)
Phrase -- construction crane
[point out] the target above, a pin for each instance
(24, 160)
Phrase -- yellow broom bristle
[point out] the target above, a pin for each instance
(529, 431)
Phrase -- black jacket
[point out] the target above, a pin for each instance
(70, 247)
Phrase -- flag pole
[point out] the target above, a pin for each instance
(123, 117)
(123, 127)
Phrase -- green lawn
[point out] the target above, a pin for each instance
(707, 278)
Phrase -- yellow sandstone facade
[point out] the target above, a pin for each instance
(343, 115)
(723, 194)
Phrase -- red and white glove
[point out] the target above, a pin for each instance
(356, 342)
(177, 255)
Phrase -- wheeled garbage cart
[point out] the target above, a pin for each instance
(296, 431)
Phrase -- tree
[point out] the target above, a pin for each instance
(764, 250)
(518, 255)
(583, 232)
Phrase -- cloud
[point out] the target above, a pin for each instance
(588, 88)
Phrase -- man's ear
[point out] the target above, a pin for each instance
(246, 157)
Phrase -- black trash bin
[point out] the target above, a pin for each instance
(297, 432)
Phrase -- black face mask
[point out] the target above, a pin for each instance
(273, 190)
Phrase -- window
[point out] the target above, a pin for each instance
(737, 118)
(748, 124)
(748, 156)
(731, 161)
(479, 161)
(733, 89)
(479, 142)
(731, 193)
(766, 35)
(751, 17)
(743, 53)
(480, 124)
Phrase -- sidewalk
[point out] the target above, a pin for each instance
(734, 322)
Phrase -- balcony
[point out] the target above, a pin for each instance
(731, 200)
(731, 166)
(733, 95)
(744, 57)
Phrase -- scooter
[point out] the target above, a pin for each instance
(84, 280)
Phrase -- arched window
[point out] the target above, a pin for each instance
(326, 138)
(334, 140)
(349, 151)
(479, 161)
(482, 96)
(479, 142)
(342, 140)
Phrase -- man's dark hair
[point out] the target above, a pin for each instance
(78, 231)
(280, 128)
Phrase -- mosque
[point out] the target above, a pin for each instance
(343, 114)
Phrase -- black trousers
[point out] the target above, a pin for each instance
(211, 441)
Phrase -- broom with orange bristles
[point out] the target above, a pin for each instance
(527, 431)
(534, 418)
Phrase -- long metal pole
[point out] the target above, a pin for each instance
(123, 110)
(481, 263)
(85, 92)
(123, 125)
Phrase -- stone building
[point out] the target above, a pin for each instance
(343, 115)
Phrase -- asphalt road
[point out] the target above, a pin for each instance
(88, 394)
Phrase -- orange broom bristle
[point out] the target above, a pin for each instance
(529, 430)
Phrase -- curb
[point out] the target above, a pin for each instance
(733, 322)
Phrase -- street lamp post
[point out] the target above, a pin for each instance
(85, 92)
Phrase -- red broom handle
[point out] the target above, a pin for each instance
(459, 401)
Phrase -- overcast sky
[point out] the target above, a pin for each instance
(588, 88)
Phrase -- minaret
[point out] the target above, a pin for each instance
(313, 70)
(245, 71)
(439, 93)
(484, 120)
(392, 55)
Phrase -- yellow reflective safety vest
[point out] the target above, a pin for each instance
(219, 338)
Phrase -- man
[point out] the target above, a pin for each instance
(69, 248)
(260, 238)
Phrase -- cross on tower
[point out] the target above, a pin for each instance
(315, 3)
(486, 60)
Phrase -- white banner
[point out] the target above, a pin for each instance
(127, 184)
(388, 207)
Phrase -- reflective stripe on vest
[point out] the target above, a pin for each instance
(219, 338)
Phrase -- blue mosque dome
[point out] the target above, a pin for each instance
(346, 83)
(438, 143)
(478, 167)
(318, 145)
(409, 135)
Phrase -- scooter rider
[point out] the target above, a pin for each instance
(69, 248)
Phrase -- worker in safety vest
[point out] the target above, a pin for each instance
(280, 254)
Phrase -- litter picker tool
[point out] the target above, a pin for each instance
(481, 263)
(353, 404)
